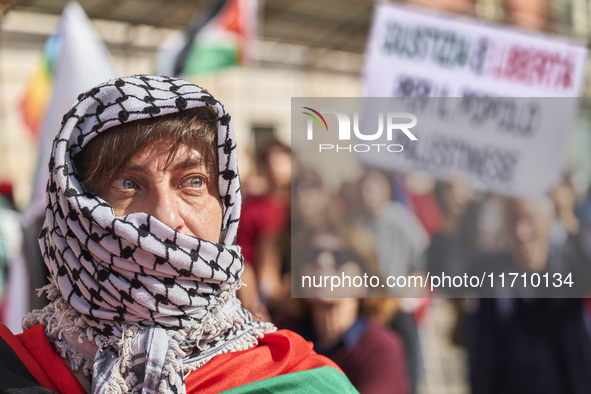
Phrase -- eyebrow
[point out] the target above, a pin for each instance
(189, 163)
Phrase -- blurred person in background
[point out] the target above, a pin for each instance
(525, 345)
(401, 240)
(566, 223)
(446, 6)
(521, 345)
(344, 326)
(349, 205)
(419, 190)
(401, 243)
(263, 219)
(312, 208)
(143, 205)
(583, 225)
(312, 211)
(459, 230)
(461, 214)
(527, 14)
(14, 285)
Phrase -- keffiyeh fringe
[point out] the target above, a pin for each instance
(62, 321)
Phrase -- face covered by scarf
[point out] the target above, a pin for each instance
(135, 303)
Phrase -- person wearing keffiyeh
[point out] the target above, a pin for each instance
(143, 205)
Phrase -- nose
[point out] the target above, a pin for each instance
(164, 205)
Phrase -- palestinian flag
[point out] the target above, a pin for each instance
(221, 37)
(283, 362)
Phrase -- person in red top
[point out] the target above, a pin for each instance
(264, 221)
(143, 204)
(265, 215)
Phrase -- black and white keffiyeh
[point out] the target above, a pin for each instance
(135, 303)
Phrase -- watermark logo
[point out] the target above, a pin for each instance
(310, 131)
(395, 121)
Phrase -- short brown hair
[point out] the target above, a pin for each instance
(107, 155)
(271, 147)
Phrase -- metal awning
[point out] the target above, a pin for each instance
(334, 24)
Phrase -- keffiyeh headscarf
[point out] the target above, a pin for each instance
(136, 304)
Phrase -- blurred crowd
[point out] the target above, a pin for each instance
(387, 224)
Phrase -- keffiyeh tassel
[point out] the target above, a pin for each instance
(184, 350)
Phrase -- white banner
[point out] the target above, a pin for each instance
(83, 62)
(419, 54)
(505, 144)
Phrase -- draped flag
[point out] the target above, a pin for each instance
(74, 60)
(221, 37)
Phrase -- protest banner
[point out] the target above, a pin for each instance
(421, 55)
(413, 53)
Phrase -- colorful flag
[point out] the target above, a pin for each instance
(36, 98)
(75, 60)
(221, 37)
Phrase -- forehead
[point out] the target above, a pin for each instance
(376, 178)
(535, 207)
(167, 155)
(276, 152)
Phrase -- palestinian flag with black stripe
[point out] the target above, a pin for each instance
(282, 362)
(221, 37)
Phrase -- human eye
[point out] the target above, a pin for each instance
(196, 182)
(124, 183)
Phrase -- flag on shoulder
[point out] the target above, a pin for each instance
(222, 36)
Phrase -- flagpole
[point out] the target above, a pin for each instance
(260, 30)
